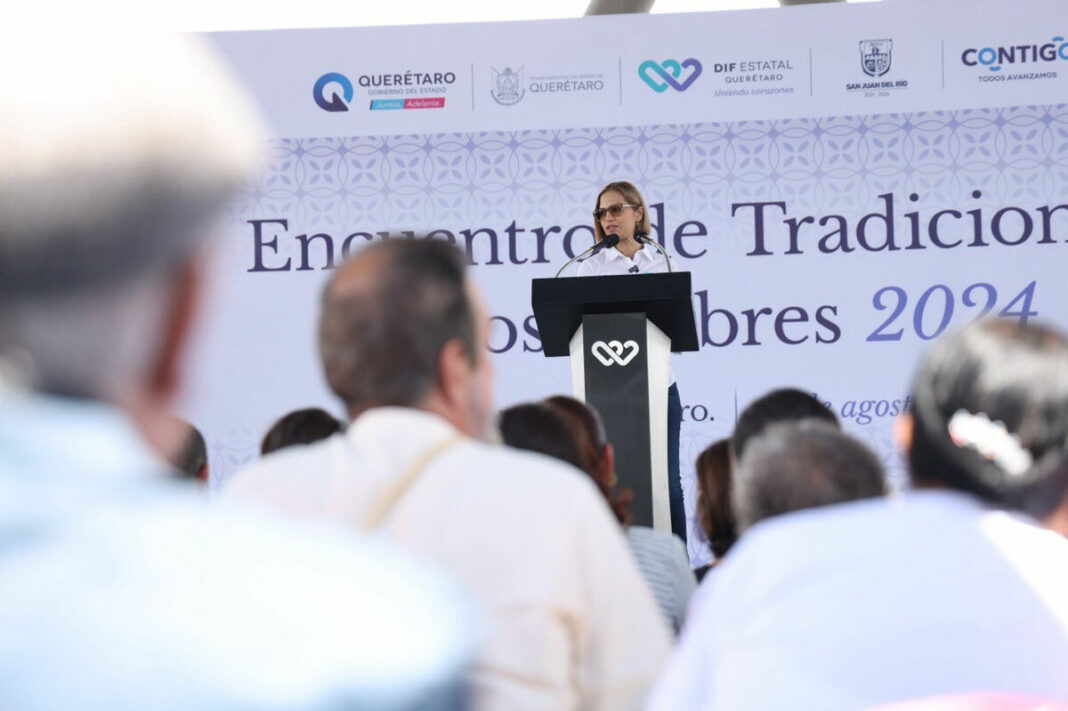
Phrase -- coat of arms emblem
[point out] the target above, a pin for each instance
(875, 56)
(508, 86)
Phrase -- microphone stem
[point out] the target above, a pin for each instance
(576, 257)
(610, 240)
(650, 240)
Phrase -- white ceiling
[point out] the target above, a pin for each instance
(214, 15)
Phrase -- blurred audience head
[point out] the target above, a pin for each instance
(537, 427)
(801, 465)
(785, 405)
(303, 426)
(598, 455)
(989, 416)
(403, 326)
(108, 188)
(715, 510)
(190, 458)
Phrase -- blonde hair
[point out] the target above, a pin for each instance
(631, 195)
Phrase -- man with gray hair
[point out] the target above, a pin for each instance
(403, 335)
(120, 590)
(802, 465)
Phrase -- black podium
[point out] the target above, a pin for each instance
(620, 332)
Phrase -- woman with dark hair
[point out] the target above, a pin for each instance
(536, 427)
(304, 426)
(598, 458)
(714, 511)
(620, 209)
(570, 430)
(989, 416)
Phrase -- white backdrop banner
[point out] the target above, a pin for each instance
(845, 183)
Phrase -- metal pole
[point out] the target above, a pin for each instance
(618, 7)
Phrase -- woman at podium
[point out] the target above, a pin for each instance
(620, 210)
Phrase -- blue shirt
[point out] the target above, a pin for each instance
(119, 589)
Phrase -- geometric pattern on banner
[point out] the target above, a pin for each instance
(454, 179)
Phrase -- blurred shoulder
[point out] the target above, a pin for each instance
(533, 473)
(282, 464)
(652, 539)
(244, 608)
(324, 593)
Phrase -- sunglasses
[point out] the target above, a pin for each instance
(613, 210)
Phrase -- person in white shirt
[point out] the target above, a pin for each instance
(620, 210)
(572, 431)
(570, 624)
(951, 588)
(119, 588)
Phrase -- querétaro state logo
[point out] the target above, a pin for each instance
(507, 86)
(336, 103)
(875, 56)
(669, 74)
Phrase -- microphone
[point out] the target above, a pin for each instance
(642, 238)
(609, 240)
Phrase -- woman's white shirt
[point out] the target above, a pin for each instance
(647, 260)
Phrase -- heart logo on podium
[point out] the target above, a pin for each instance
(614, 352)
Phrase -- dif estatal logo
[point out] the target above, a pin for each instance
(669, 74)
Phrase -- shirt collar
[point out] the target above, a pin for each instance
(614, 253)
(645, 254)
(405, 426)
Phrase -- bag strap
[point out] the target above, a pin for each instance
(388, 499)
